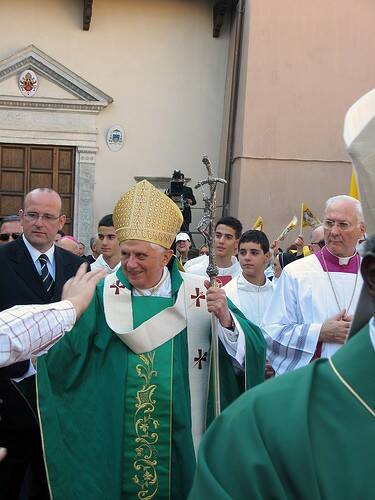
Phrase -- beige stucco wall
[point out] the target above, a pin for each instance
(159, 62)
(303, 64)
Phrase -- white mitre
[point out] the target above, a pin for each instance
(359, 137)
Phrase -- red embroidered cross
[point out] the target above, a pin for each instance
(199, 295)
(117, 285)
(202, 356)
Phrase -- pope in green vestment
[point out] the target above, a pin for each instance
(301, 436)
(125, 396)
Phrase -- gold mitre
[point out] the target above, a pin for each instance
(145, 213)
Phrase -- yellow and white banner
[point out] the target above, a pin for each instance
(258, 225)
(308, 218)
(292, 224)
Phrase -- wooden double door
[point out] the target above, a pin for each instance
(26, 167)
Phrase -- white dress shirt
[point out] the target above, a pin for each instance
(35, 254)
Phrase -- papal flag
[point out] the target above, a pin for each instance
(308, 218)
(258, 225)
(353, 189)
(292, 224)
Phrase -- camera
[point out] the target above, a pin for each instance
(176, 188)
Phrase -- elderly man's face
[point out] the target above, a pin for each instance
(143, 262)
(342, 229)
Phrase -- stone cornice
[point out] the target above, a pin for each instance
(9, 102)
(162, 181)
(33, 58)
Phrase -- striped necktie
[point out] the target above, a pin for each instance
(45, 275)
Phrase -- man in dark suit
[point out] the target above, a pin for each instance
(183, 196)
(33, 270)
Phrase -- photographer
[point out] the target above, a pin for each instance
(183, 197)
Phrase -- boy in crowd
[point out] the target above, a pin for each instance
(110, 256)
(227, 233)
(251, 291)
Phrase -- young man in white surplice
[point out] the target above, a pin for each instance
(251, 291)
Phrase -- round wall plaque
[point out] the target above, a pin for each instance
(28, 83)
(115, 138)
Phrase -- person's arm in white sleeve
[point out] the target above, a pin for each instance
(27, 330)
(230, 333)
(30, 330)
(291, 338)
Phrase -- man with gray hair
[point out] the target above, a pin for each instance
(311, 310)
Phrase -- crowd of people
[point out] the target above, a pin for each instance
(140, 352)
(141, 378)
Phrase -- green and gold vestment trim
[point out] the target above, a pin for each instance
(147, 453)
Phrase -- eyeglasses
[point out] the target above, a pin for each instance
(343, 226)
(321, 243)
(34, 216)
(6, 236)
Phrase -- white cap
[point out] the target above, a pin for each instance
(182, 237)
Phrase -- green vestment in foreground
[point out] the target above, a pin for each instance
(302, 436)
(117, 425)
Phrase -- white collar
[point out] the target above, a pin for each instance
(103, 263)
(244, 284)
(35, 254)
(161, 289)
(343, 261)
(234, 263)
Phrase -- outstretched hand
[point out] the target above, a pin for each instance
(80, 289)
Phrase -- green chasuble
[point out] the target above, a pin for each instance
(120, 423)
(301, 436)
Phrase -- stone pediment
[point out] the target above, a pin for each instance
(59, 88)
